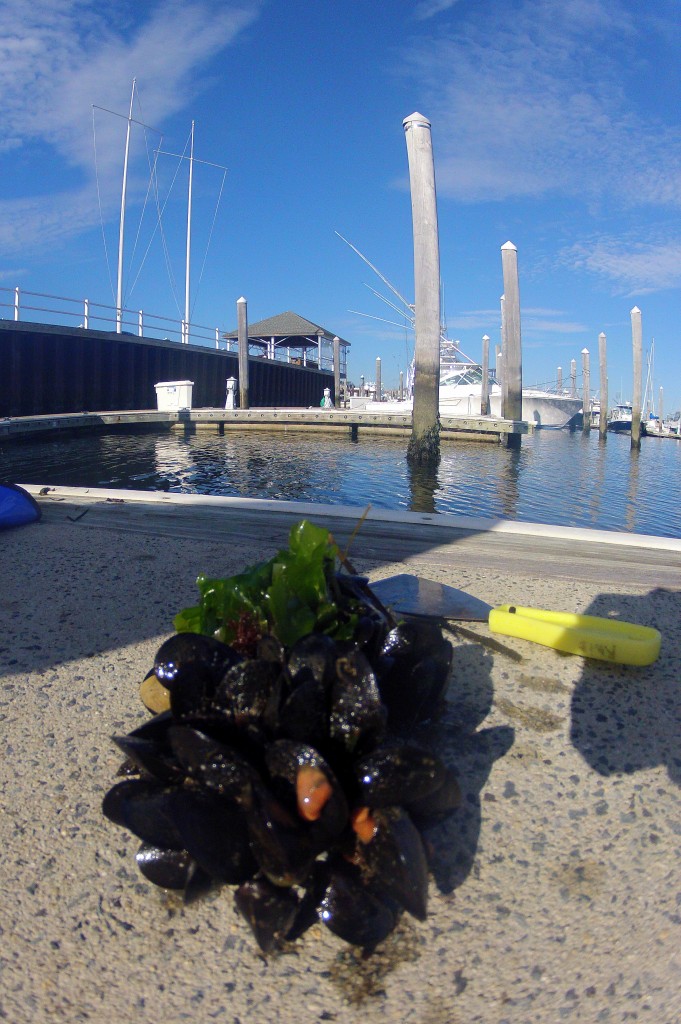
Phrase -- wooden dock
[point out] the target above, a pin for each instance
(343, 421)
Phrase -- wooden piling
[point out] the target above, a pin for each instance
(637, 353)
(603, 367)
(484, 396)
(424, 445)
(336, 373)
(513, 371)
(378, 379)
(586, 392)
(242, 335)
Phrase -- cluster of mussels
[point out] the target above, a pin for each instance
(289, 775)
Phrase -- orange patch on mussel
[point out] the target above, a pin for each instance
(364, 824)
(313, 790)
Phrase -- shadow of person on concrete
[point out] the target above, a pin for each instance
(625, 719)
(470, 752)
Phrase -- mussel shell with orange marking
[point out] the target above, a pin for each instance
(396, 861)
(286, 760)
(280, 841)
(395, 774)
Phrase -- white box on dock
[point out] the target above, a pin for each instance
(174, 394)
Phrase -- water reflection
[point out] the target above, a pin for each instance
(509, 482)
(631, 509)
(424, 484)
(597, 488)
(556, 477)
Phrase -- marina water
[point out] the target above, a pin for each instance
(556, 477)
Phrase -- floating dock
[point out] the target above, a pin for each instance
(352, 421)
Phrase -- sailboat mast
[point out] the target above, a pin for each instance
(121, 230)
(189, 240)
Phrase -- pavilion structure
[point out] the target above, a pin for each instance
(288, 337)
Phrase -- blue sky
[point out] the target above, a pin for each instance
(554, 122)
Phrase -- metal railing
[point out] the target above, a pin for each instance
(82, 313)
(95, 316)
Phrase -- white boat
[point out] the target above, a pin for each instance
(461, 395)
(619, 417)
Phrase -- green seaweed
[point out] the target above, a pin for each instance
(290, 595)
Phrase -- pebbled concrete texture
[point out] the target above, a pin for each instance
(555, 891)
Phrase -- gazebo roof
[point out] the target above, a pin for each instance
(287, 325)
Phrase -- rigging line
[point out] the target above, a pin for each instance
(210, 235)
(392, 305)
(159, 227)
(99, 202)
(137, 238)
(150, 186)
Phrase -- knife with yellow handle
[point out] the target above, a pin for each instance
(623, 643)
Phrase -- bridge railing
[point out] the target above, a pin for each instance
(38, 307)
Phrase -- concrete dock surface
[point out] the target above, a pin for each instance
(556, 887)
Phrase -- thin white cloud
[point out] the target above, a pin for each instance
(634, 267)
(58, 58)
(534, 320)
(527, 100)
(427, 9)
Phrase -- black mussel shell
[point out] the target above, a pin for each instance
(152, 755)
(244, 693)
(300, 773)
(437, 804)
(358, 716)
(413, 672)
(213, 831)
(270, 648)
(269, 909)
(190, 653)
(145, 808)
(353, 912)
(394, 775)
(190, 665)
(396, 860)
(280, 842)
(216, 766)
(170, 869)
(312, 657)
(304, 714)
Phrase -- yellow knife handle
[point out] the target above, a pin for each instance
(624, 643)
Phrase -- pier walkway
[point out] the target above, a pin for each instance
(554, 886)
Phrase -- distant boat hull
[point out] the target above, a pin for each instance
(544, 410)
